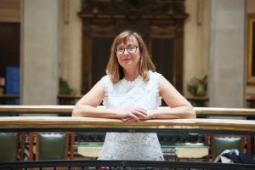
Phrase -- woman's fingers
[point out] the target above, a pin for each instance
(141, 110)
(140, 113)
(127, 119)
(135, 114)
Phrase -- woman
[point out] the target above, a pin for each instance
(132, 91)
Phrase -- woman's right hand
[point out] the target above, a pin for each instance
(134, 114)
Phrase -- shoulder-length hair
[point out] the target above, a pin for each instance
(115, 71)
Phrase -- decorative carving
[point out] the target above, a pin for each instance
(160, 22)
(138, 15)
(133, 9)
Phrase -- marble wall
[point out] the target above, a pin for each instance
(226, 53)
(70, 62)
(39, 52)
(195, 41)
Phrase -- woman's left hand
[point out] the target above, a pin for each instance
(135, 114)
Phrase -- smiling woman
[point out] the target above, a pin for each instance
(128, 56)
(132, 91)
(129, 60)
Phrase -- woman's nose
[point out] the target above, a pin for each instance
(125, 52)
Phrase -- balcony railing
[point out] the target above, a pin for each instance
(28, 124)
(67, 109)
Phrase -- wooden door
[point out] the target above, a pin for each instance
(162, 29)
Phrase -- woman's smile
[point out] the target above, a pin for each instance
(128, 53)
(127, 59)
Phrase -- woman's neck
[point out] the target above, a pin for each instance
(131, 75)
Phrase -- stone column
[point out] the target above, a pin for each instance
(227, 53)
(39, 52)
(71, 44)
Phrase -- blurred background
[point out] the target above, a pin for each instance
(53, 51)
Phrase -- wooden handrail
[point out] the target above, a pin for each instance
(67, 109)
(79, 122)
(47, 122)
(28, 109)
(217, 111)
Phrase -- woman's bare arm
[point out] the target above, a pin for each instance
(87, 106)
(179, 107)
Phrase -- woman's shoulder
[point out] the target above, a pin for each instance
(154, 75)
(107, 81)
(106, 78)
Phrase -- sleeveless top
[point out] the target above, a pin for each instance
(127, 94)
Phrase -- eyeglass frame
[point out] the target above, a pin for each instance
(129, 50)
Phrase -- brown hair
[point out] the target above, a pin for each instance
(113, 67)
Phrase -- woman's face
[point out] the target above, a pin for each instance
(128, 53)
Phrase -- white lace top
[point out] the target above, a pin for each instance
(128, 94)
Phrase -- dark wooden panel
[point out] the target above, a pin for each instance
(9, 46)
(100, 53)
(162, 55)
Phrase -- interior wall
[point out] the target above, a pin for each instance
(39, 52)
(70, 44)
(227, 53)
(195, 41)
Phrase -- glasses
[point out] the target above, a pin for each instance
(131, 49)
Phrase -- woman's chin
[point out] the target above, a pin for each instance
(129, 66)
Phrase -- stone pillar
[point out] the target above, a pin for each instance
(39, 52)
(71, 44)
(227, 53)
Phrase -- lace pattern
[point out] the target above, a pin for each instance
(123, 95)
(137, 93)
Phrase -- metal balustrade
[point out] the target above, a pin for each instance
(29, 124)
